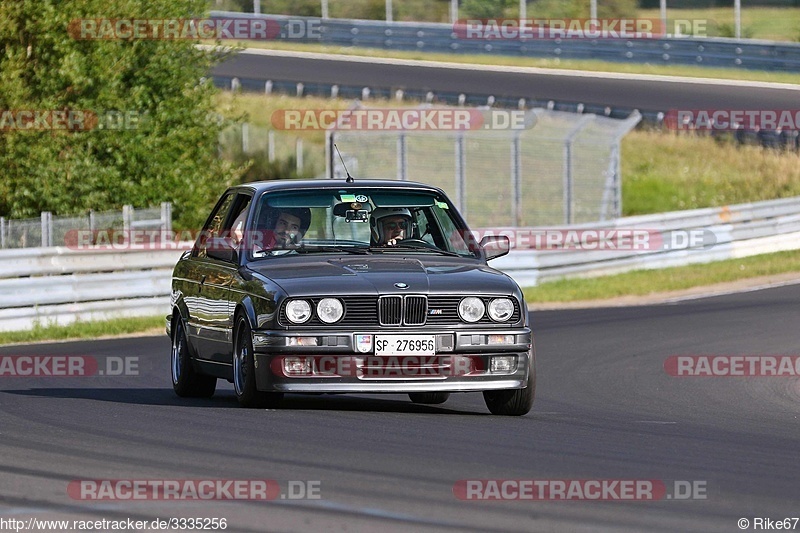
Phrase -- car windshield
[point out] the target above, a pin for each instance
(357, 221)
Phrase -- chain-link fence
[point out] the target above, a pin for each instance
(48, 230)
(252, 140)
(562, 168)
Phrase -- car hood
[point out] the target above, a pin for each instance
(382, 275)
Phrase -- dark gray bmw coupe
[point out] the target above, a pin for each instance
(333, 286)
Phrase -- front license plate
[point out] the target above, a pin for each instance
(405, 345)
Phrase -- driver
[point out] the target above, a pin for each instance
(389, 225)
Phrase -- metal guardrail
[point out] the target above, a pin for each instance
(59, 285)
(437, 37)
(727, 233)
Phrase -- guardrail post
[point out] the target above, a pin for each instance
(388, 10)
(166, 216)
(461, 171)
(402, 158)
(47, 227)
(299, 154)
(271, 145)
(2, 232)
(127, 220)
(329, 154)
(245, 137)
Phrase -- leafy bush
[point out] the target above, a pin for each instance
(169, 156)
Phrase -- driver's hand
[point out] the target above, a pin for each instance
(394, 242)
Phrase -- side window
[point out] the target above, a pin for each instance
(214, 226)
(425, 228)
(239, 219)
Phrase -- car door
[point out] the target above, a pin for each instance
(208, 281)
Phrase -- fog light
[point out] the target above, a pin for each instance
(501, 339)
(296, 366)
(301, 341)
(503, 364)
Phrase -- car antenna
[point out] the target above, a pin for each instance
(349, 177)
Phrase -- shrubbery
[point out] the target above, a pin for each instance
(170, 156)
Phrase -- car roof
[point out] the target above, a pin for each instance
(316, 184)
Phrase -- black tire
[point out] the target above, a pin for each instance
(186, 381)
(429, 397)
(513, 402)
(244, 371)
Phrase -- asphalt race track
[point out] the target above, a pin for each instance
(605, 410)
(624, 93)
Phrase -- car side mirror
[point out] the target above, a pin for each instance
(495, 246)
(221, 248)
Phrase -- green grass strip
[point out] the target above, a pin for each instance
(84, 330)
(643, 282)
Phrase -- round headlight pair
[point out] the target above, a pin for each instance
(329, 310)
(472, 309)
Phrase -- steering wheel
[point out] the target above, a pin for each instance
(415, 243)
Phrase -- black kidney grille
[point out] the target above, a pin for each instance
(402, 310)
(390, 310)
(416, 309)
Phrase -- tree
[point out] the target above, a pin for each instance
(168, 155)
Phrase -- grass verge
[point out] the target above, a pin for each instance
(644, 282)
(84, 330)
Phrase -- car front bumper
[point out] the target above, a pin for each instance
(462, 362)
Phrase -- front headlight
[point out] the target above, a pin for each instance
(471, 309)
(330, 310)
(501, 309)
(298, 311)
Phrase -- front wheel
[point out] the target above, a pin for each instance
(186, 381)
(429, 397)
(513, 402)
(244, 371)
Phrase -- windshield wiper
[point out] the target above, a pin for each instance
(401, 246)
(358, 250)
